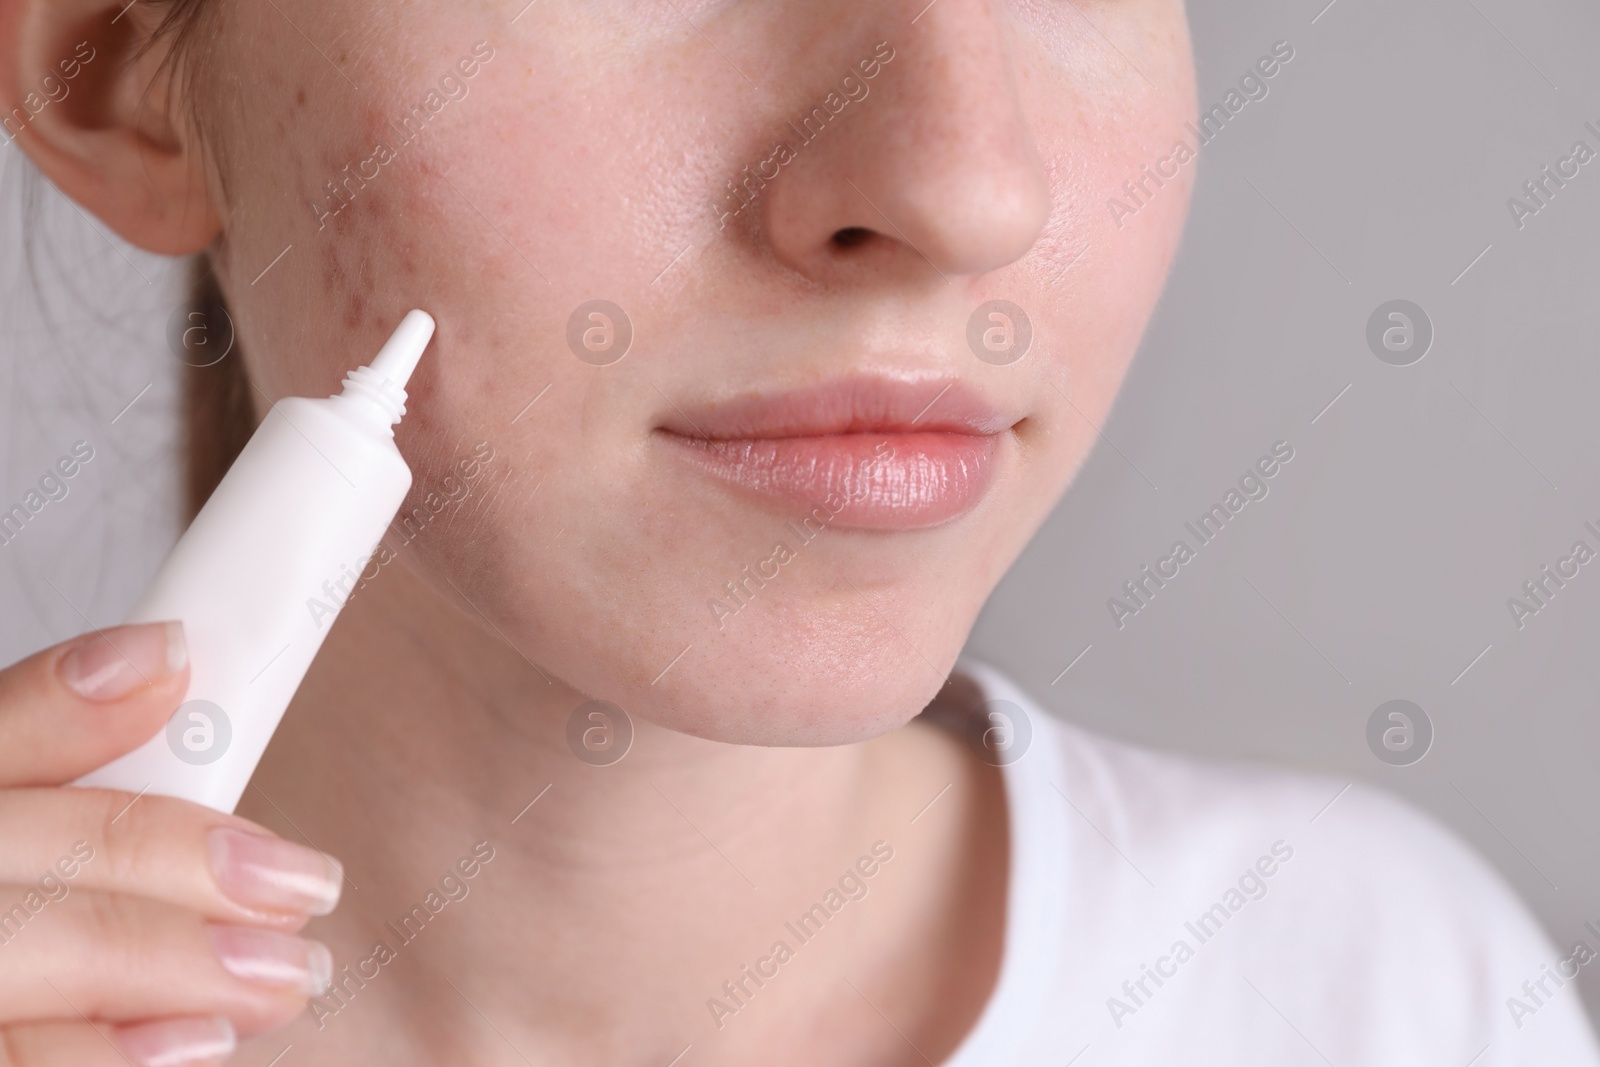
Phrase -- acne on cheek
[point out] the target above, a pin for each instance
(346, 277)
(350, 279)
(384, 258)
(368, 251)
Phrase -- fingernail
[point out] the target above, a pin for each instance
(271, 873)
(269, 958)
(113, 663)
(174, 1042)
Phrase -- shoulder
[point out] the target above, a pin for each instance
(1345, 906)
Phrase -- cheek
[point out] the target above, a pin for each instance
(1090, 284)
(341, 216)
(1099, 266)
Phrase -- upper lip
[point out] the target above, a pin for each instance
(855, 404)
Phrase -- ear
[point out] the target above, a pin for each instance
(105, 124)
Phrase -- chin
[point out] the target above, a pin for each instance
(829, 656)
(807, 677)
(851, 639)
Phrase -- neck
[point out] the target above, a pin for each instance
(618, 898)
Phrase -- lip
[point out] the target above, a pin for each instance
(861, 452)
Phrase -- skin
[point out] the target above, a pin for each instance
(582, 163)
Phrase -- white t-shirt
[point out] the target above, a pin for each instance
(1164, 910)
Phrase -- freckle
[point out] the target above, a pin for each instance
(300, 98)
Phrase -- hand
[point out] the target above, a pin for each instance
(141, 930)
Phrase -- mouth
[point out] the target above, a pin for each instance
(862, 452)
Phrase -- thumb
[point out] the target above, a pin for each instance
(78, 705)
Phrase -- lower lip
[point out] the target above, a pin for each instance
(870, 481)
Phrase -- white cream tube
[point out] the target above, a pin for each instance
(253, 578)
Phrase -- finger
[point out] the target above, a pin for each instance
(181, 1042)
(226, 868)
(124, 959)
(78, 705)
(188, 1042)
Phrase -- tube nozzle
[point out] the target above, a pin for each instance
(399, 355)
(378, 390)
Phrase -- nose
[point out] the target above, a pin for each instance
(929, 163)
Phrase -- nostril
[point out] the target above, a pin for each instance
(851, 236)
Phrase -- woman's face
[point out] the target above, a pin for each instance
(812, 345)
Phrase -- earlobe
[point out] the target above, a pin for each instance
(103, 122)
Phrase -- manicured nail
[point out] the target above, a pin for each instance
(269, 958)
(175, 1042)
(273, 874)
(113, 663)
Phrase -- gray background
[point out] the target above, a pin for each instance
(1378, 567)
